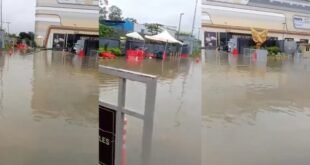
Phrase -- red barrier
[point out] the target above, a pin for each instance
(81, 53)
(254, 56)
(135, 54)
(107, 55)
(21, 46)
(10, 51)
(235, 52)
(150, 55)
(184, 56)
(164, 55)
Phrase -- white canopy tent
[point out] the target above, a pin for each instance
(164, 36)
(135, 35)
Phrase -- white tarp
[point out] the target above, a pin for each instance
(164, 37)
(135, 35)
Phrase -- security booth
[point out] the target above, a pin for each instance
(112, 117)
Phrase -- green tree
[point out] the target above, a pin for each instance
(105, 31)
(184, 34)
(154, 28)
(13, 35)
(29, 38)
(23, 35)
(115, 13)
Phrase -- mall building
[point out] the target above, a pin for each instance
(61, 23)
(226, 19)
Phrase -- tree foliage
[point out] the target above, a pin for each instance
(29, 38)
(115, 13)
(184, 34)
(105, 31)
(154, 28)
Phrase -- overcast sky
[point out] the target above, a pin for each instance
(21, 13)
(160, 11)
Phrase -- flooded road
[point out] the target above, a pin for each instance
(49, 109)
(255, 111)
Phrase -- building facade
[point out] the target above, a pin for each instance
(60, 23)
(225, 19)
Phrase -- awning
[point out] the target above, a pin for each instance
(135, 35)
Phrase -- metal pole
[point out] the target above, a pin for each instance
(8, 27)
(1, 24)
(148, 122)
(180, 20)
(120, 121)
(194, 20)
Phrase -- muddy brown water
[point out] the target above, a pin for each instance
(49, 109)
(255, 112)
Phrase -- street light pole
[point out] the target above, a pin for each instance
(181, 14)
(194, 20)
(1, 24)
(8, 27)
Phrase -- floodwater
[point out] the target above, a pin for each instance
(255, 112)
(49, 109)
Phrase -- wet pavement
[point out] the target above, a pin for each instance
(255, 111)
(49, 109)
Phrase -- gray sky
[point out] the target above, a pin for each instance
(21, 13)
(160, 11)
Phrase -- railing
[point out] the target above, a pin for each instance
(111, 129)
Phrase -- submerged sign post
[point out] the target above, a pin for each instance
(107, 135)
(111, 118)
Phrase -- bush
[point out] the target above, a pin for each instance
(115, 51)
(196, 53)
(272, 51)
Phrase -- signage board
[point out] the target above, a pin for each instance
(301, 22)
(107, 123)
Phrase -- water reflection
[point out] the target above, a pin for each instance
(2, 64)
(50, 108)
(253, 113)
(62, 89)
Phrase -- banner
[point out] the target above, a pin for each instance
(301, 22)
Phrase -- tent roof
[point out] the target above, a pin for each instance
(135, 35)
(164, 36)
